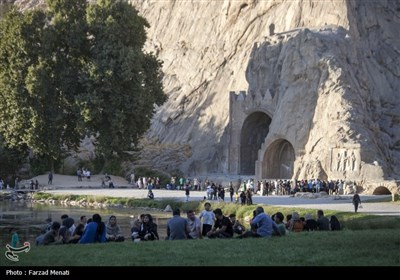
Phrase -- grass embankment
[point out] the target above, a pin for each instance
(365, 241)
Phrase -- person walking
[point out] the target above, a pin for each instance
(356, 201)
(231, 191)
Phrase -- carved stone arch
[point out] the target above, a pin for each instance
(253, 133)
(278, 161)
(381, 191)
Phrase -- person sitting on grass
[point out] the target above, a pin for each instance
(136, 228)
(238, 228)
(65, 220)
(334, 223)
(322, 222)
(295, 224)
(262, 225)
(95, 231)
(310, 224)
(78, 233)
(113, 231)
(177, 226)
(278, 218)
(193, 225)
(52, 237)
(65, 232)
(39, 238)
(222, 228)
(148, 229)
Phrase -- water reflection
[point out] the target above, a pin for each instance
(29, 218)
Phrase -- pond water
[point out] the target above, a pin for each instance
(29, 218)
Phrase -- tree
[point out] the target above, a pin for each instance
(39, 78)
(18, 53)
(124, 83)
(76, 70)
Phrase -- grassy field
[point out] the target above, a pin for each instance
(343, 248)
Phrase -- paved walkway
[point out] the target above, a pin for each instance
(63, 184)
(343, 203)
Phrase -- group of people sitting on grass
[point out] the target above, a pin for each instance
(295, 223)
(216, 225)
(209, 224)
(87, 231)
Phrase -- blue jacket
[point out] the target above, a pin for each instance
(90, 236)
(264, 224)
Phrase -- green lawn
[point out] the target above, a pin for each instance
(343, 248)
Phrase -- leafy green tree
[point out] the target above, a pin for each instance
(76, 70)
(123, 82)
(19, 51)
(40, 57)
(54, 80)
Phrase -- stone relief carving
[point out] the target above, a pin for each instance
(345, 160)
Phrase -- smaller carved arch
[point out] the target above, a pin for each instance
(381, 191)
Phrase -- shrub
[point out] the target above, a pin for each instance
(191, 205)
(41, 165)
(113, 166)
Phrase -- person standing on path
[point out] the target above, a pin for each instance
(187, 192)
(231, 191)
(50, 178)
(133, 179)
(356, 201)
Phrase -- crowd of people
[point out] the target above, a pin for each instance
(242, 191)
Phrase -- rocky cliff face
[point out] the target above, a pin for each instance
(328, 72)
(206, 47)
(331, 88)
